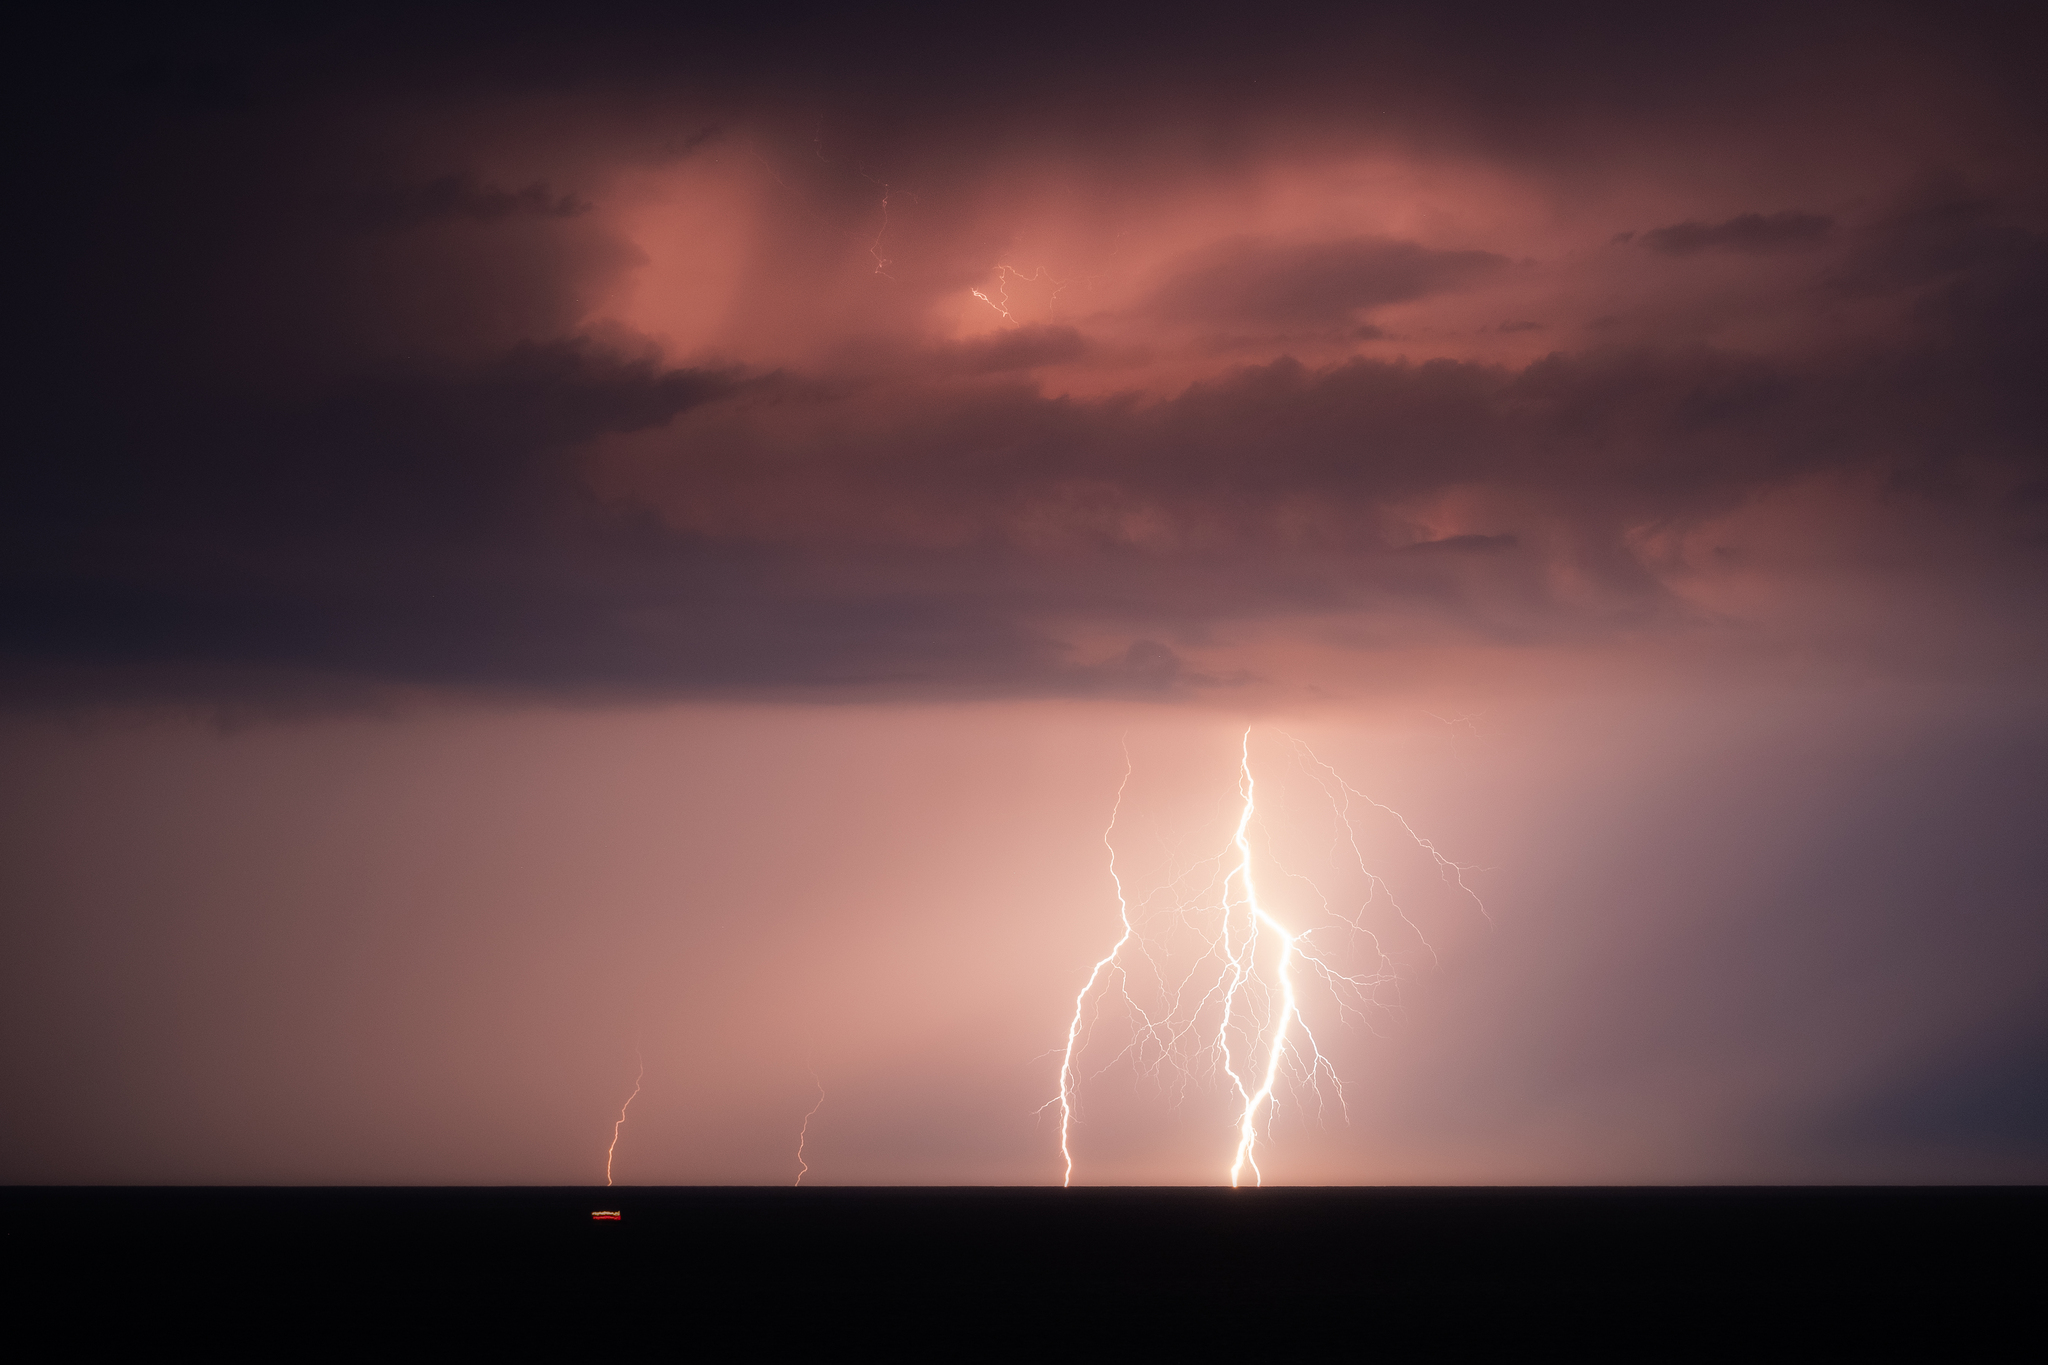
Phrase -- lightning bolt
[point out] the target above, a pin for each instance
(803, 1134)
(882, 263)
(1256, 956)
(1123, 909)
(1002, 305)
(608, 1152)
(1004, 273)
(1259, 918)
(1452, 872)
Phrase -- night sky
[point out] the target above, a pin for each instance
(540, 549)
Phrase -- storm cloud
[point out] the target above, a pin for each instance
(517, 390)
(1753, 233)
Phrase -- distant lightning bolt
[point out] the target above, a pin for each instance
(622, 1120)
(1123, 909)
(1004, 273)
(803, 1134)
(1256, 956)
(1002, 303)
(882, 263)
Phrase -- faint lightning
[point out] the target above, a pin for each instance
(882, 263)
(1005, 273)
(1453, 872)
(889, 192)
(803, 1134)
(608, 1152)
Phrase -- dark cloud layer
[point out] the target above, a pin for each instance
(1322, 282)
(459, 197)
(1749, 232)
(312, 387)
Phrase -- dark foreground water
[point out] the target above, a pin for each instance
(1032, 1273)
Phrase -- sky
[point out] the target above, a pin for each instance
(548, 553)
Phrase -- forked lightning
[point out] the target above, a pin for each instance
(1268, 1035)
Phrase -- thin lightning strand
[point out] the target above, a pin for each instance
(882, 263)
(622, 1121)
(874, 246)
(1452, 872)
(1002, 303)
(1123, 910)
(803, 1134)
(1004, 273)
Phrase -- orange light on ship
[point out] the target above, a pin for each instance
(605, 1215)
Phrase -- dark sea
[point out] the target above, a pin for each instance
(1280, 1274)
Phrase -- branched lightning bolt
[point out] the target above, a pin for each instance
(641, 1075)
(1451, 871)
(1004, 273)
(1002, 303)
(1258, 918)
(1123, 909)
(1257, 957)
(803, 1134)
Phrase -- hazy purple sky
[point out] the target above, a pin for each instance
(538, 545)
